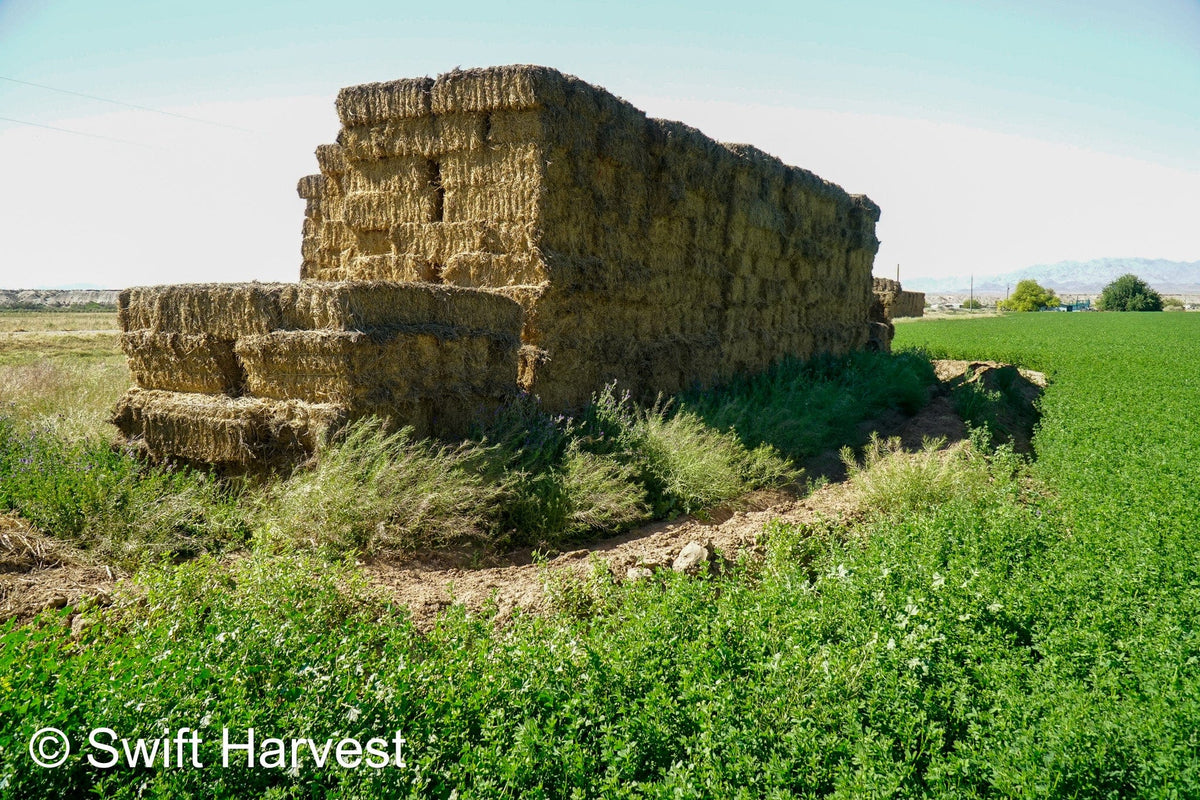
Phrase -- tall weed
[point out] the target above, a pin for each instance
(377, 491)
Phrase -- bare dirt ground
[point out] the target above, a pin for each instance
(38, 572)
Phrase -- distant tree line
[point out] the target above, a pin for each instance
(1126, 293)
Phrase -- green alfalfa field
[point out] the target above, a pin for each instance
(994, 626)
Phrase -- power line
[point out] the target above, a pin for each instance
(74, 133)
(121, 103)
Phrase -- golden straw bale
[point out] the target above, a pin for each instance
(312, 187)
(182, 362)
(519, 163)
(371, 243)
(383, 210)
(428, 137)
(331, 158)
(372, 103)
(240, 432)
(508, 202)
(378, 369)
(399, 268)
(491, 269)
(439, 241)
(499, 88)
(225, 310)
(366, 305)
(399, 175)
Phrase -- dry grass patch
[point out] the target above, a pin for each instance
(12, 321)
(74, 399)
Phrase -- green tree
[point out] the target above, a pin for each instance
(1029, 296)
(1130, 293)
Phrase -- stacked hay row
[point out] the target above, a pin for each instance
(641, 250)
(254, 375)
(896, 301)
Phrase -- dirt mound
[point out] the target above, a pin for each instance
(1000, 397)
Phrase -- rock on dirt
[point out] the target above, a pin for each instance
(692, 559)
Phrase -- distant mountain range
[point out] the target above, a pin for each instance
(56, 298)
(1074, 277)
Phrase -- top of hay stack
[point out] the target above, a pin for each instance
(523, 87)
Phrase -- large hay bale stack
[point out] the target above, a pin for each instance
(495, 229)
(641, 250)
(249, 376)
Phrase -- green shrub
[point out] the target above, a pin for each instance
(890, 481)
(1029, 296)
(1129, 293)
(685, 464)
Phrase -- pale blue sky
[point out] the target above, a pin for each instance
(1078, 119)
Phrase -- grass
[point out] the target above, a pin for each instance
(107, 502)
(889, 481)
(91, 319)
(838, 669)
(381, 492)
(994, 628)
(73, 399)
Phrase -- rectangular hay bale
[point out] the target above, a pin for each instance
(370, 103)
(225, 310)
(379, 370)
(428, 137)
(242, 432)
(499, 88)
(381, 211)
(182, 362)
(363, 305)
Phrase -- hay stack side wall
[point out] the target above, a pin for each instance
(640, 249)
(909, 304)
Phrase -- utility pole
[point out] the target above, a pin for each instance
(971, 302)
(897, 273)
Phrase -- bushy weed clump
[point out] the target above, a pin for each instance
(685, 464)
(108, 501)
(380, 491)
(528, 478)
(889, 480)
